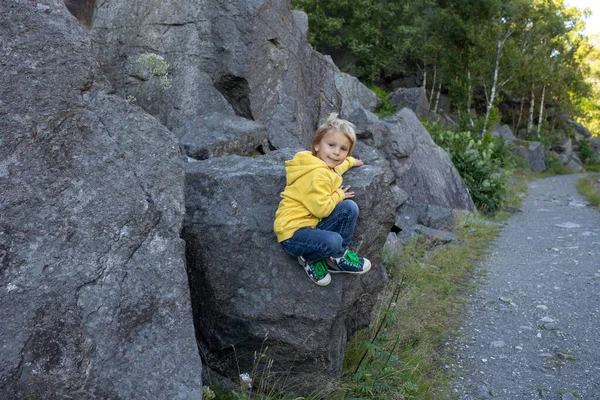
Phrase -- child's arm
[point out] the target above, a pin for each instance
(319, 199)
(348, 163)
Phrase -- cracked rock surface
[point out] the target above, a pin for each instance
(532, 330)
(94, 298)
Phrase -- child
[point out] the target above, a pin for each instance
(315, 220)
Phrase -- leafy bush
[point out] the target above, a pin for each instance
(587, 155)
(386, 108)
(480, 163)
(151, 65)
(555, 164)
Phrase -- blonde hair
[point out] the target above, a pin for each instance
(335, 124)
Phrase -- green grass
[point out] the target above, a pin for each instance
(589, 187)
(403, 355)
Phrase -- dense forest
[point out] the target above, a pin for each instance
(479, 54)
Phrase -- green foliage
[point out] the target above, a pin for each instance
(587, 154)
(589, 186)
(374, 32)
(386, 108)
(479, 162)
(555, 165)
(542, 48)
(150, 66)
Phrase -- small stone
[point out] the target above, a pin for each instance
(568, 225)
(484, 359)
(547, 319)
(550, 326)
(506, 300)
(520, 348)
(483, 393)
(541, 307)
(498, 343)
(539, 334)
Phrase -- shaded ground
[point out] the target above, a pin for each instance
(532, 330)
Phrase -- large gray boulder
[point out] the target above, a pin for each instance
(94, 298)
(423, 169)
(564, 150)
(249, 58)
(579, 128)
(533, 153)
(504, 132)
(249, 295)
(217, 134)
(355, 95)
(412, 98)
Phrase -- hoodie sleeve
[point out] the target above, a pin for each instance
(320, 200)
(348, 163)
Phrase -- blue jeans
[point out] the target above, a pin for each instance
(330, 238)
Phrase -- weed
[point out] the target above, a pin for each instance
(151, 65)
(589, 186)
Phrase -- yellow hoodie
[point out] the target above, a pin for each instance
(311, 193)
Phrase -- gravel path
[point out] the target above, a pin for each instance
(532, 330)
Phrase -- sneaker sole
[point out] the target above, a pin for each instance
(366, 268)
(323, 282)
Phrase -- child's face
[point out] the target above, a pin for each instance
(333, 148)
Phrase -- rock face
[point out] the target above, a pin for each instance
(94, 300)
(582, 130)
(533, 153)
(250, 295)
(423, 169)
(413, 98)
(244, 58)
(355, 95)
(504, 132)
(564, 151)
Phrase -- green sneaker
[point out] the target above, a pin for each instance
(316, 271)
(349, 263)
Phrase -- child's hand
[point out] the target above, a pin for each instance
(347, 193)
(359, 163)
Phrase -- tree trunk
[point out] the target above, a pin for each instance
(531, 107)
(432, 87)
(539, 127)
(437, 98)
(516, 128)
(469, 99)
(490, 103)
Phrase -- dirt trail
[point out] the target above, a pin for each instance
(532, 330)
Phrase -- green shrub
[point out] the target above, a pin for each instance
(587, 154)
(480, 163)
(555, 164)
(386, 108)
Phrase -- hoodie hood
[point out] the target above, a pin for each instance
(302, 163)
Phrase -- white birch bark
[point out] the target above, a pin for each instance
(432, 87)
(495, 81)
(540, 118)
(437, 98)
(531, 107)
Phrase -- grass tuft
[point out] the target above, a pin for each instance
(589, 186)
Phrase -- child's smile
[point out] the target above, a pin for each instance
(333, 148)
